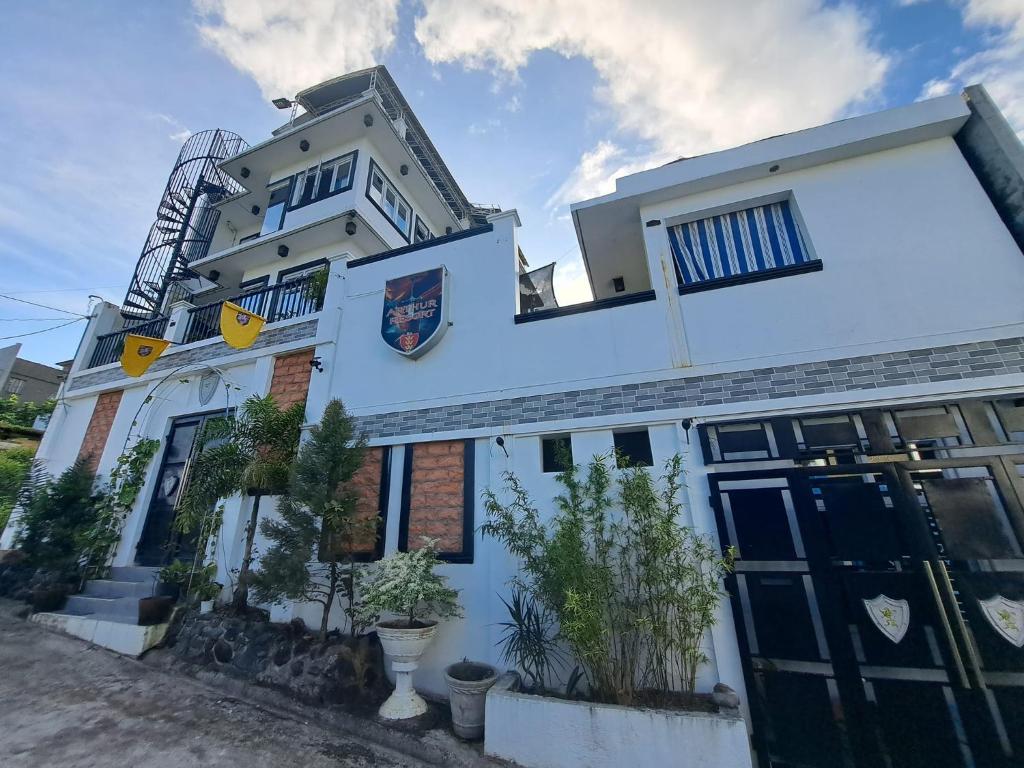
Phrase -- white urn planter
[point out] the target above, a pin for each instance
(404, 645)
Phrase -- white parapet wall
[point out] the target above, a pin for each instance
(542, 732)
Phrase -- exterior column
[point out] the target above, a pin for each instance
(105, 318)
(178, 323)
(322, 383)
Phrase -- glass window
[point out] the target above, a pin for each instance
(390, 201)
(556, 453)
(421, 232)
(274, 218)
(633, 449)
(343, 175)
(14, 385)
(736, 244)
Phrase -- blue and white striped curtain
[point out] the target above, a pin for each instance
(738, 243)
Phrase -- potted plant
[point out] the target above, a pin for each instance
(468, 683)
(405, 587)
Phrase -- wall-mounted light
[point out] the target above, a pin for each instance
(282, 251)
(304, 145)
(315, 362)
(447, 230)
(403, 169)
(653, 223)
(350, 228)
(773, 169)
(214, 275)
(255, 210)
(367, 119)
(501, 444)
(244, 172)
(282, 103)
(619, 284)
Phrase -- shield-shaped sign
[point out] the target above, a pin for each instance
(415, 311)
(207, 386)
(1007, 616)
(892, 617)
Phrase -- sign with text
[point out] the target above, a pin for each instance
(415, 311)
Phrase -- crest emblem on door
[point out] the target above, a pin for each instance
(1006, 616)
(892, 617)
(415, 311)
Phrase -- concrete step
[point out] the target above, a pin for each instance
(112, 588)
(135, 573)
(85, 605)
(119, 636)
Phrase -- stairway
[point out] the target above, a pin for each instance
(117, 598)
(106, 613)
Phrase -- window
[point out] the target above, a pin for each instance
(389, 200)
(323, 180)
(738, 246)
(556, 453)
(633, 449)
(274, 218)
(420, 232)
(14, 385)
(254, 298)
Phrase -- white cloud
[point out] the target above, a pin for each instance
(289, 46)
(571, 283)
(596, 172)
(1000, 68)
(684, 76)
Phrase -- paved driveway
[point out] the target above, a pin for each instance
(64, 703)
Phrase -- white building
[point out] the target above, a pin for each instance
(778, 313)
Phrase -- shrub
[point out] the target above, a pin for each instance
(55, 516)
(315, 536)
(14, 467)
(404, 584)
(632, 590)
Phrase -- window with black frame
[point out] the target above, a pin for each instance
(744, 245)
(389, 201)
(298, 291)
(323, 180)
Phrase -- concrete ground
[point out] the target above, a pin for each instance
(66, 703)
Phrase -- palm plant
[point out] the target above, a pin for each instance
(250, 454)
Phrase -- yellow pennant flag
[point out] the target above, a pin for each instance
(140, 352)
(239, 326)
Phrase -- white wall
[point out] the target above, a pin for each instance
(911, 248)
(484, 354)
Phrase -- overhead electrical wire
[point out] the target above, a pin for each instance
(65, 290)
(44, 306)
(29, 319)
(44, 330)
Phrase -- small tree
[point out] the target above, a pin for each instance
(404, 584)
(250, 454)
(55, 516)
(315, 541)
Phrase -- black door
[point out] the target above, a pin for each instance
(159, 544)
(868, 600)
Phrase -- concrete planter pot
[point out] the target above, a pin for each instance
(564, 734)
(468, 683)
(404, 645)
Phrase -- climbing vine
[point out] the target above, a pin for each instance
(98, 542)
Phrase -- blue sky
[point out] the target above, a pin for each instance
(532, 104)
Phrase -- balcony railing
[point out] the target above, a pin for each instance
(110, 345)
(294, 298)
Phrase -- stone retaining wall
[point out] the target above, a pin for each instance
(341, 671)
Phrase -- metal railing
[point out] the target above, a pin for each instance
(110, 345)
(294, 298)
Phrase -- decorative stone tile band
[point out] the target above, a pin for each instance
(176, 358)
(918, 366)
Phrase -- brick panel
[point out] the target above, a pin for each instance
(959, 362)
(366, 483)
(291, 378)
(99, 427)
(437, 495)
